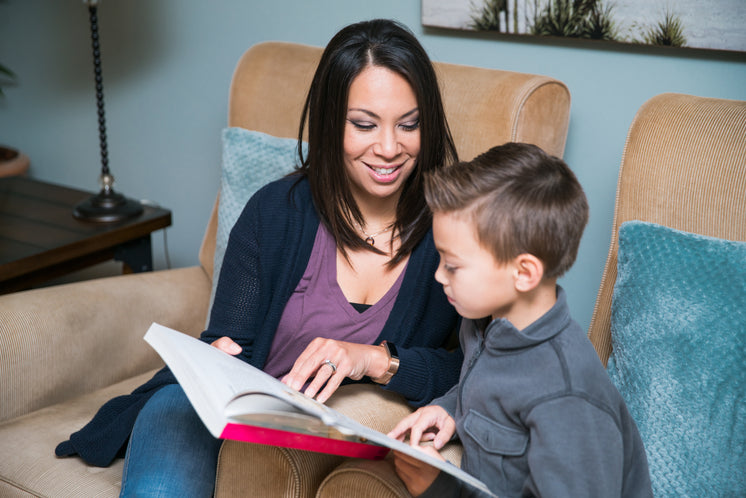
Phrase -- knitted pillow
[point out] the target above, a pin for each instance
(251, 159)
(679, 356)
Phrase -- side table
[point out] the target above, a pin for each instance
(41, 240)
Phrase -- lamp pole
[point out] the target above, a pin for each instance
(107, 206)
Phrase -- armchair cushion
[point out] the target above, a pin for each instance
(251, 159)
(679, 348)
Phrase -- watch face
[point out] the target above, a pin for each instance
(392, 350)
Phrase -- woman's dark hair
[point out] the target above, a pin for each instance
(382, 43)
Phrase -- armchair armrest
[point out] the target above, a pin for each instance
(272, 471)
(63, 341)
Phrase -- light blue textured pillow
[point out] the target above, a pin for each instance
(251, 159)
(678, 328)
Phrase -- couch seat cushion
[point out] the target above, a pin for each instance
(28, 465)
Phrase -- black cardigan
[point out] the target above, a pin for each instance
(267, 253)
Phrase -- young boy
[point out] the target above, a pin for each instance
(534, 408)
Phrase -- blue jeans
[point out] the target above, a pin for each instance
(170, 453)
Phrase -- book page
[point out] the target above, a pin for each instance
(212, 378)
(263, 410)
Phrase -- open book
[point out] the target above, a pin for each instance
(238, 401)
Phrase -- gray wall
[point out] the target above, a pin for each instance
(167, 66)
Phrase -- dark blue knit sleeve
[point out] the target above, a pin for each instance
(268, 250)
(237, 294)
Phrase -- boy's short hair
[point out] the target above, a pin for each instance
(521, 199)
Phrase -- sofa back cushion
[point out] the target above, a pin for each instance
(485, 107)
(678, 330)
(251, 159)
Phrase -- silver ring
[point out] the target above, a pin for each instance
(334, 367)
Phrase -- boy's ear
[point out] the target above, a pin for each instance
(529, 270)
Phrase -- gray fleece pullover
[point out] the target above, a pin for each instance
(538, 416)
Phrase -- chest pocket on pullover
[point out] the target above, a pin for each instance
(493, 437)
(496, 451)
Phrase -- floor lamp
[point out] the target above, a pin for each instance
(107, 206)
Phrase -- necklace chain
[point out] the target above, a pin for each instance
(369, 236)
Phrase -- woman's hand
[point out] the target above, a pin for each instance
(430, 422)
(416, 474)
(329, 362)
(227, 345)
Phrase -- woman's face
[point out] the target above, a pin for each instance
(382, 134)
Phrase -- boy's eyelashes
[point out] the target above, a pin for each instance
(449, 268)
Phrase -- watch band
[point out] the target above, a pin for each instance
(393, 363)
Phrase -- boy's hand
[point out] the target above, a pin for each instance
(416, 474)
(428, 423)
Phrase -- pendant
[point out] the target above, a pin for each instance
(370, 240)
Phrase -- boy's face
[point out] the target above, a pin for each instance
(476, 285)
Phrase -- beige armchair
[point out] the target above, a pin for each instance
(684, 166)
(670, 308)
(66, 350)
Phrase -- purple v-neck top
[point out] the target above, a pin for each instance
(318, 308)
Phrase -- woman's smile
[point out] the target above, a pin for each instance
(385, 174)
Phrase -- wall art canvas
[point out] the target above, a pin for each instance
(705, 24)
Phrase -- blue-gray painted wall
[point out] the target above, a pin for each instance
(167, 65)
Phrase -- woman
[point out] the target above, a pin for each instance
(321, 267)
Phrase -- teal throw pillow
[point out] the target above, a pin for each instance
(678, 330)
(251, 159)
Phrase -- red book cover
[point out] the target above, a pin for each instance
(286, 439)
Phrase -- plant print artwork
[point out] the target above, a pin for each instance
(704, 24)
